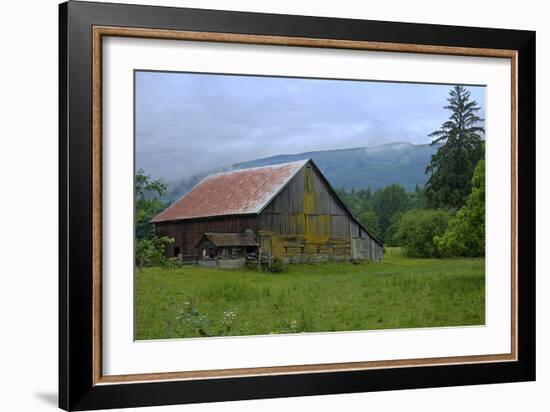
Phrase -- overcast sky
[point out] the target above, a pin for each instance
(193, 123)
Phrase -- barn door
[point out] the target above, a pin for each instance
(354, 248)
(359, 248)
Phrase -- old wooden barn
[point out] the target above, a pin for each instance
(287, 211)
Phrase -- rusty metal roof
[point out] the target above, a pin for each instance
(230, 239)
(239, 192)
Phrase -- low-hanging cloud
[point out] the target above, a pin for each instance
(188, 124)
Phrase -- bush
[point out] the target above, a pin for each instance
(276, 266)
(151, 252)
(465, 235)
(417, 229)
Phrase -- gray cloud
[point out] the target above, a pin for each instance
(192, 123)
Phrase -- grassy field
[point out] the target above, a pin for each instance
(400, 293)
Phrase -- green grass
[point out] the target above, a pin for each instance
(192, 301)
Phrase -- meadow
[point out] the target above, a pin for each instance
(192, 301)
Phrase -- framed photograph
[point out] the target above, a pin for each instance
(256, 206)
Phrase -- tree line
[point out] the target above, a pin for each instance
(447, 216)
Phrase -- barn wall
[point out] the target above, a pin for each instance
(306, 222)
(363, 245)
(306, 193)
(187, 233)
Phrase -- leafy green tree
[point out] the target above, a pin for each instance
(391, 232)
(148, 203)
(387, 202)
(465, 235)
(369, 219)
(417, 229)
(350, 200)
(461, 140)
(366, 194)
(417, 199)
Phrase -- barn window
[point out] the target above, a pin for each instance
(302, 249)
(176, 250)
(318, 249)
(286, 249)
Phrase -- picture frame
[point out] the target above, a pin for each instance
(82, 28)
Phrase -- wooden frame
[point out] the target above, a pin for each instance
(82, 27)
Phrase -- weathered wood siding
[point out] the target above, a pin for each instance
(305, 221)
(306, 205)
(366, 248)
(187, 233)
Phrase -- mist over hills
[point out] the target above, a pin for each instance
(355, 168)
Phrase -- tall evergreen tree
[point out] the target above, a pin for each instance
(462, 147)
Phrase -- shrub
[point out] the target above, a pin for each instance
(151, 252)
(252, 265)
(417, 229)
(465, 235)
(277, 266)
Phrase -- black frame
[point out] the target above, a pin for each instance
(76, 389)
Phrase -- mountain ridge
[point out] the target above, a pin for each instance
(372, 167)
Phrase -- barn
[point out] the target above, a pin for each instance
(287, 211)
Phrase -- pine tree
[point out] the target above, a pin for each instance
(462, 147)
